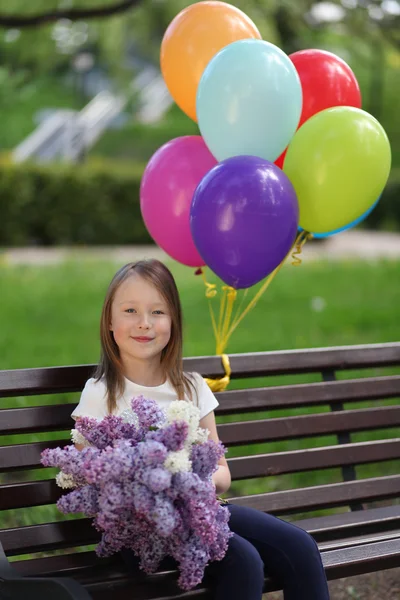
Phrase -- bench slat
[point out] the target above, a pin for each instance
(341, 526)
(57, 417)
(49, 536)
(247, 432)
(27, 456)
(37, 493)
(312, 459)
(368, 558)
(285, 428)
(360, 541)
(80, 532)
(69, 379)
(323, 496)
(87, 568)
(338, 563)
(308, 394)
(36, 419)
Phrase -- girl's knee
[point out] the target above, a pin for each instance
(305, 543)
(245, 560)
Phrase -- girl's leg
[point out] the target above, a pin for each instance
(238, 576)
(289, 553)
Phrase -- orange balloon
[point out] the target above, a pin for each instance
(194, 36)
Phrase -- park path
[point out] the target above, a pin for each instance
(353, 245)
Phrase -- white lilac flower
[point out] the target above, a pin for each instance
(202, 435)
(78, 438)
(65, 481)
(181, 410)
(178, 462)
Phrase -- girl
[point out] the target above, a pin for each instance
(141, 342)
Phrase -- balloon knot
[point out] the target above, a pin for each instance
(221, 383)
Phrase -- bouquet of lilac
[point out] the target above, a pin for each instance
(145, 477)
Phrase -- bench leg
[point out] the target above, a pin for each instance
(15, 587)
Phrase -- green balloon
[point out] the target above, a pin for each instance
(339, 163)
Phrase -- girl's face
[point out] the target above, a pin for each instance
(140, 320)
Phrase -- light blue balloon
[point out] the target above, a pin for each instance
(320, 236)
(249, 101)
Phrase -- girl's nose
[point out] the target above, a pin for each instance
(144, 322)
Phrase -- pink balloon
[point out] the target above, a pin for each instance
(168, 184)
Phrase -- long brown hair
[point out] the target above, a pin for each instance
(110, 366)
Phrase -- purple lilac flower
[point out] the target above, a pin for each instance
(220, 545)
(102, 433)
(205, 457)
(111, 500)
(136, 502)
(69, 460)
(190, 485)
(151, 548)
(148, 411)
(142, 498)
(192, 558)
(152, 453)
(173, 436)
(157, 479)
(82, 500)
(163, 516)
(113, 463)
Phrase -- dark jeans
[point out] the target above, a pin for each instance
(263, 544)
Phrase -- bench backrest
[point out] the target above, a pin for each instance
(297, 445)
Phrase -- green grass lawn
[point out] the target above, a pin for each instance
(50, 317)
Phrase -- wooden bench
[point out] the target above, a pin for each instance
(359, 533)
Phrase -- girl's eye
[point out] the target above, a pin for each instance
(130, 310)
(158, 312)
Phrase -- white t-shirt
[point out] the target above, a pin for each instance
(93, 400)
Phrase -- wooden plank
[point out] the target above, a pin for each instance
(50, 536)
(48, 380)
(359, 541)
(28, 494)
(327, 457)
(36, 419)
(108, 574)
(27, 456)
(38, 493)
(307, 394)
(289, 428)
(57, 417)
(69, 534)
(69, 379)
(363, 522)
(362, 559)
(323, 496)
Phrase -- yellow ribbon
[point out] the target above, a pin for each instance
(221, 383)
(226, 325)
(301, 240)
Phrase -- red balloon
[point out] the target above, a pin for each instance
(281, 159)
(326, 81)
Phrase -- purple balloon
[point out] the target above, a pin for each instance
(244, 219)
